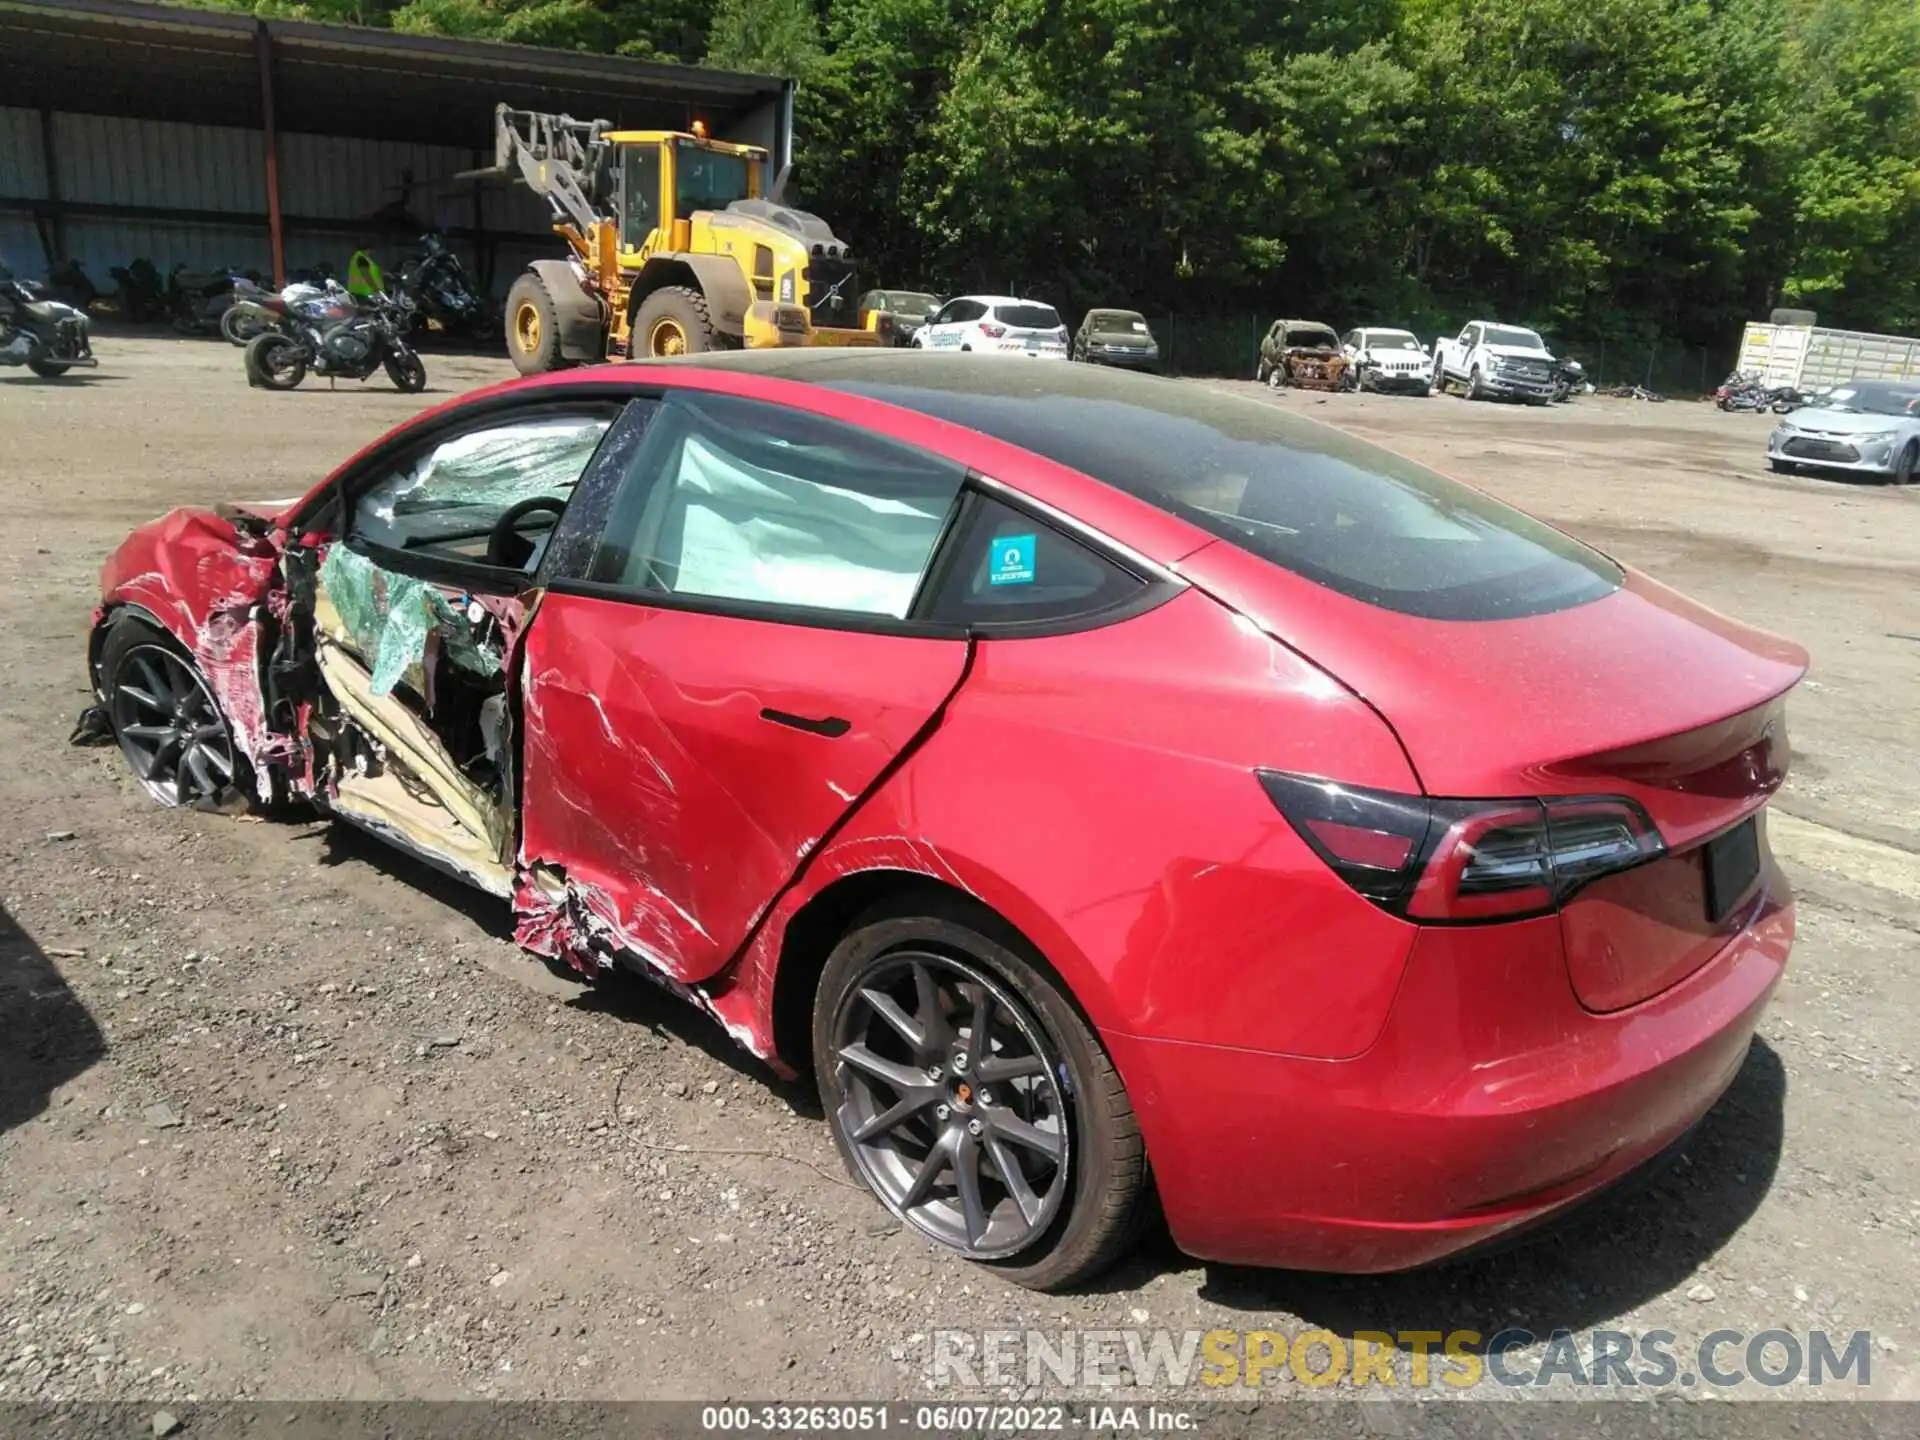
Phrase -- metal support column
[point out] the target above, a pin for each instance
(53, 235)
(263, 48)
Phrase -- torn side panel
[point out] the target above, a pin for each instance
(566, 921)
(406, 781)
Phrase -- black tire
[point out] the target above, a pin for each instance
(48, 369)
(1908, 462)
(1260, 371)
(275, 361)
(532, 326)
(1276, 377)
(1782, 467)
(1474, 392)
(239, 327)
(1099, 1189)
(408, 373)
(135, 654)
(673, 320)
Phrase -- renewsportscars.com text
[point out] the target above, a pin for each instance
(1418, 1359)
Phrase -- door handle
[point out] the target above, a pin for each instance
(831, 726)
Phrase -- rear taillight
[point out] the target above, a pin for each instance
(1454, 861)
(992, 331)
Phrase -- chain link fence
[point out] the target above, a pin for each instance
(1228, 345)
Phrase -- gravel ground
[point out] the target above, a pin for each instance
(285, 1115)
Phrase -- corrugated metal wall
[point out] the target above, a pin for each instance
(218, 170)
(21, 174)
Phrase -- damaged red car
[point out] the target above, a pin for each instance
(1113, 791)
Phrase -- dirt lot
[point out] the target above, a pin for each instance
(283, 1115)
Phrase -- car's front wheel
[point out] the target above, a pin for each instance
(165, 718)
(1909, 461)
(966, 1091)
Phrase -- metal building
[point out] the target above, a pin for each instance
(218, 139)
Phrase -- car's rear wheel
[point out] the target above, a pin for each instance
(275, 361)
(965, 1090)
(165, 718)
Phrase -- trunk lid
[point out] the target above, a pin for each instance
(1641, 693)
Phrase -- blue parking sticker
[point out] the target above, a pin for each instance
(1012, 560)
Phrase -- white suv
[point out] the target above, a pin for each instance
(1383, 359)
(995, 324)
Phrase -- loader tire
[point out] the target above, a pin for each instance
(673, 320)
(533, 327)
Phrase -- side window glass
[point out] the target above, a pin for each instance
(449, 500)
(1005, 566)
(640, 177)
(737, 500)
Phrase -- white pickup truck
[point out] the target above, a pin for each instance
(1488, 359)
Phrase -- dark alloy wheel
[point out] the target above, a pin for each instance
(167, 723)
(967, 1091)
(951, 1106)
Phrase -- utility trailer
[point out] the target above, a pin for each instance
(1813, 357)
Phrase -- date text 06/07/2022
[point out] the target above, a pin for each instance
(944, 1419)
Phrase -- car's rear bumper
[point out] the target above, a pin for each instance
(1492, 1101)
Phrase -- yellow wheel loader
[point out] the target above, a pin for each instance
(680, 244)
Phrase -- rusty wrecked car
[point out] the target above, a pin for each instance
(1301, 353)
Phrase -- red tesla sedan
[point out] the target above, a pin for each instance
(1107, 787)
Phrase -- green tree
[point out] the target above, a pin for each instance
(764, 37)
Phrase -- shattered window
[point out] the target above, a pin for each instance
(739, 500)
(446, 501)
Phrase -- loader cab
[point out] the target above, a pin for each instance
(667, 176)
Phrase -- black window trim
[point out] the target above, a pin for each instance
(1157, 585)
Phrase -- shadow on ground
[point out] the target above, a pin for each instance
(47, 1037)
(626, 996)
(1627, 1250)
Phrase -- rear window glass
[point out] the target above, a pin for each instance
(1300, 494)
(1028, 317)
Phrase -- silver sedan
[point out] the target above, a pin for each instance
(1869, 427)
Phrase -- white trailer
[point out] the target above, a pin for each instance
(1811, 357)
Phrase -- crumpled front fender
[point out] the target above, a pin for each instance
(206, 582)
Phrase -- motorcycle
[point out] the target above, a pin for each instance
(197, 299)
(336, 338)
(47, 336)
(437, 283)
(256, 310)
(143, 295)
(1742, 391)
(70, 285)
(1569, 380)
